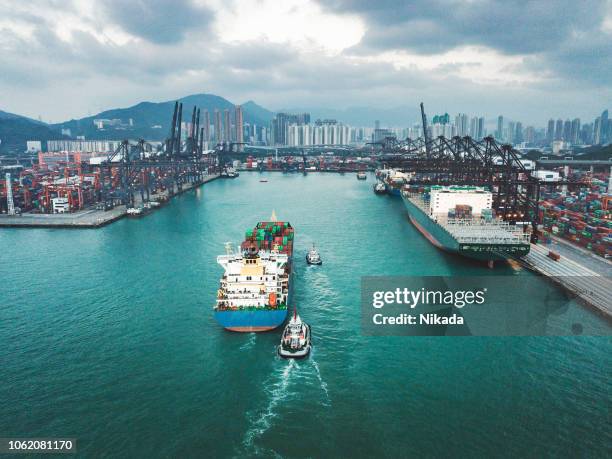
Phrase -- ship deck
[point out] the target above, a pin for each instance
(473, 230)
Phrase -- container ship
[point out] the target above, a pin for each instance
(460, 219)
(393, 180)
(256, 287)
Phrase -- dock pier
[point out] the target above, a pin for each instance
(88, 218)
(592, 285)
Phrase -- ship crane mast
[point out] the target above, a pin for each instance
(425, 133)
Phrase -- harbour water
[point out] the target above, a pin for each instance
(108, 336)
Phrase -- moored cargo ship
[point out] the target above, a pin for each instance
(393, 180)
(256, 286)
(460, 219)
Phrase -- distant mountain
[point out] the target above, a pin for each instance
(257, 112)
(151, 120)
(365, 116)
(15, 130)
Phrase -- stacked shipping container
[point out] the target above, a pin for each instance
(582, 218)
(271, 235)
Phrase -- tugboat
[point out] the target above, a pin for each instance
(295, 341)
(313, 257)
(135, 212)
(361, 175)
(229, 172)
(380, 188)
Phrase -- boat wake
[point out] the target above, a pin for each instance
(250, 343)
(278, 390)
(278, 393)
(321, 381)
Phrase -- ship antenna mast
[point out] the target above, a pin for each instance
(229, 248)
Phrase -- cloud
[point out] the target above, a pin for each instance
(158, 21)
(552, 39)
(511, 26)
(69, 59)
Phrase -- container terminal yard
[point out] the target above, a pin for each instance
(73, 189)
(560, 206)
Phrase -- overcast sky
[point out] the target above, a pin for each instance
(528, 60)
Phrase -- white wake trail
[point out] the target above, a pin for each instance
(250, 343)
(321, 381)
(278, 393)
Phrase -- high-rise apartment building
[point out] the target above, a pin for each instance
(604, 128)
(575, 131)
(206, 126)
(461, 125)
(550, 131)
(239, 122)
(510, 133)
(518, 133)
(567, 130)
(499, 133)
(559, 130)
(597, 131)
(227, 126)
(282, 121)
(529, 135)
(218, 126)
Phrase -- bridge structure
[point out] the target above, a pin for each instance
(574, 162)
(305, 150)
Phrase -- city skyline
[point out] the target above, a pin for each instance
(549, 59)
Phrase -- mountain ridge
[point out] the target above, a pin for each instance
(151, 120)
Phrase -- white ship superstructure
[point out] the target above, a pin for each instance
(250, 280)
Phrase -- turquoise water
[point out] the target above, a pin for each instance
(108, 336)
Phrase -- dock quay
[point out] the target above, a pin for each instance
(88, 218)
(592, 285)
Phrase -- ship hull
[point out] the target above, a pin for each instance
(255, 320)
(391, 190)
(442, 239)
(251, 321)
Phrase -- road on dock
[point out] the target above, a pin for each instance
(594, 287)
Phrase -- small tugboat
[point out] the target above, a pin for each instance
(313, 257)
(135, 212)
(295, 341)
(361, 175)
(229, 172)
(380, 188)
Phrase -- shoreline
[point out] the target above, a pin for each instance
(88, 218)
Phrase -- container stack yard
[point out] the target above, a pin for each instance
(582, 217)
(96, 188)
